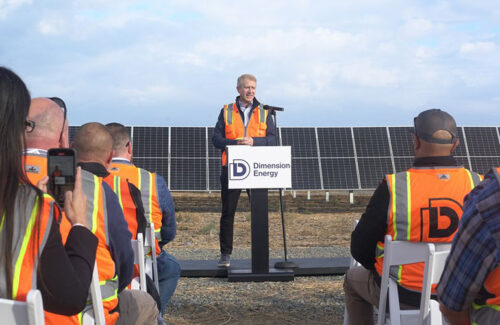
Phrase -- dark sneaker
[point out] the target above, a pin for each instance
(224, 260)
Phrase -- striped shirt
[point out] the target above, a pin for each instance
(476, 248)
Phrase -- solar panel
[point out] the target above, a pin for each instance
(335, 142)
(339, 173)
(373, 170)
(482, 165)
(460, 150)
(305, 174)
(71, 132)
(371, 142)
(156, 165)
(188, 142)
(213, 152)
(463, 161)
(302, 141)
(189, 170)
(188, 174)
(214, 169)
(403, 163)
(401, 141)
(482, 141)
(150, 141)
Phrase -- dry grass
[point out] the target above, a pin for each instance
(201, 229)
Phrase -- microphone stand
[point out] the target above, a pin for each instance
(286, 264)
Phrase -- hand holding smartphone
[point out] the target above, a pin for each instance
(61, 168)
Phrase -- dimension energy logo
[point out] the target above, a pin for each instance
(239, 169)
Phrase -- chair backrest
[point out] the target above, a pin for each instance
(151, 263)
(138, 247)
(400, 253)
(20, 312)
(95, 315)
(433, 270)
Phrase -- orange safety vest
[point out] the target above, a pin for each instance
(98, 224)
(235, 128)
(491, 284)
(27, 247)
(35, 166)
(122, 190)
(145, 181)
(425, 206)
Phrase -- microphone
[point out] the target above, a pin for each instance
(273, 108)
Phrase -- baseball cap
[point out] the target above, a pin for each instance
(432, 120)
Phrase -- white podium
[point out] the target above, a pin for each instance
(258, 169)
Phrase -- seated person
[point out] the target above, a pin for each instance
(420, 205)
(469, 289)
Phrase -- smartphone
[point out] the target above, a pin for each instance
(61, 169)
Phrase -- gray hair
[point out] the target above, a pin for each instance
(246, 76)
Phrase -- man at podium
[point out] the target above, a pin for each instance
(243, 122)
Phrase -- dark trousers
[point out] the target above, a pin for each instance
(229, 204)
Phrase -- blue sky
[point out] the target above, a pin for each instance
(328, 62)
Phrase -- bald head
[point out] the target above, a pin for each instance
(48, 118)
(93, 143)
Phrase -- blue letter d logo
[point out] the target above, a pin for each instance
(239, 169)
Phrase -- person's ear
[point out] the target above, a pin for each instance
(455, 145)
(416, 143)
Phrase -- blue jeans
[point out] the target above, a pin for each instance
(169, 272)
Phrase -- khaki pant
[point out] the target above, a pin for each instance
(136, 308)
(361, 294)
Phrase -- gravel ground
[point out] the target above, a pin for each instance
(306, 300)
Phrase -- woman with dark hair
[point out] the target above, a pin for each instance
(30, 241)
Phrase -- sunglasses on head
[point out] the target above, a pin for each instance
(62, 105)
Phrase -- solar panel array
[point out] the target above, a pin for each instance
(323, 158)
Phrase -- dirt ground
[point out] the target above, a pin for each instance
(306, 300)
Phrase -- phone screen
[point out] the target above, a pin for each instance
(61, 169)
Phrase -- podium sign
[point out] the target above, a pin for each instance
(259, 167)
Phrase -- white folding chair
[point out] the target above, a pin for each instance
(23, 312)
(400, 253)
(138, 247)
(151, 263)
(94, 315)
(352, 263)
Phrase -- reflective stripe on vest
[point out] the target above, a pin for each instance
(146, 187)
(92, 190)
(25, 214)
(485, 314)
(235, 127)
(424, 206)
(117, 189)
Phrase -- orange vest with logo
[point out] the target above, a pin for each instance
(425, 206)
(28, 244)
(98, 224)
(146, 182)
(235, 128)
(122, 190)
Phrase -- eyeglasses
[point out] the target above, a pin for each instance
(62, 105)
(30, 125)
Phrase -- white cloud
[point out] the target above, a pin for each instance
(8, 6)
(477, 47)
